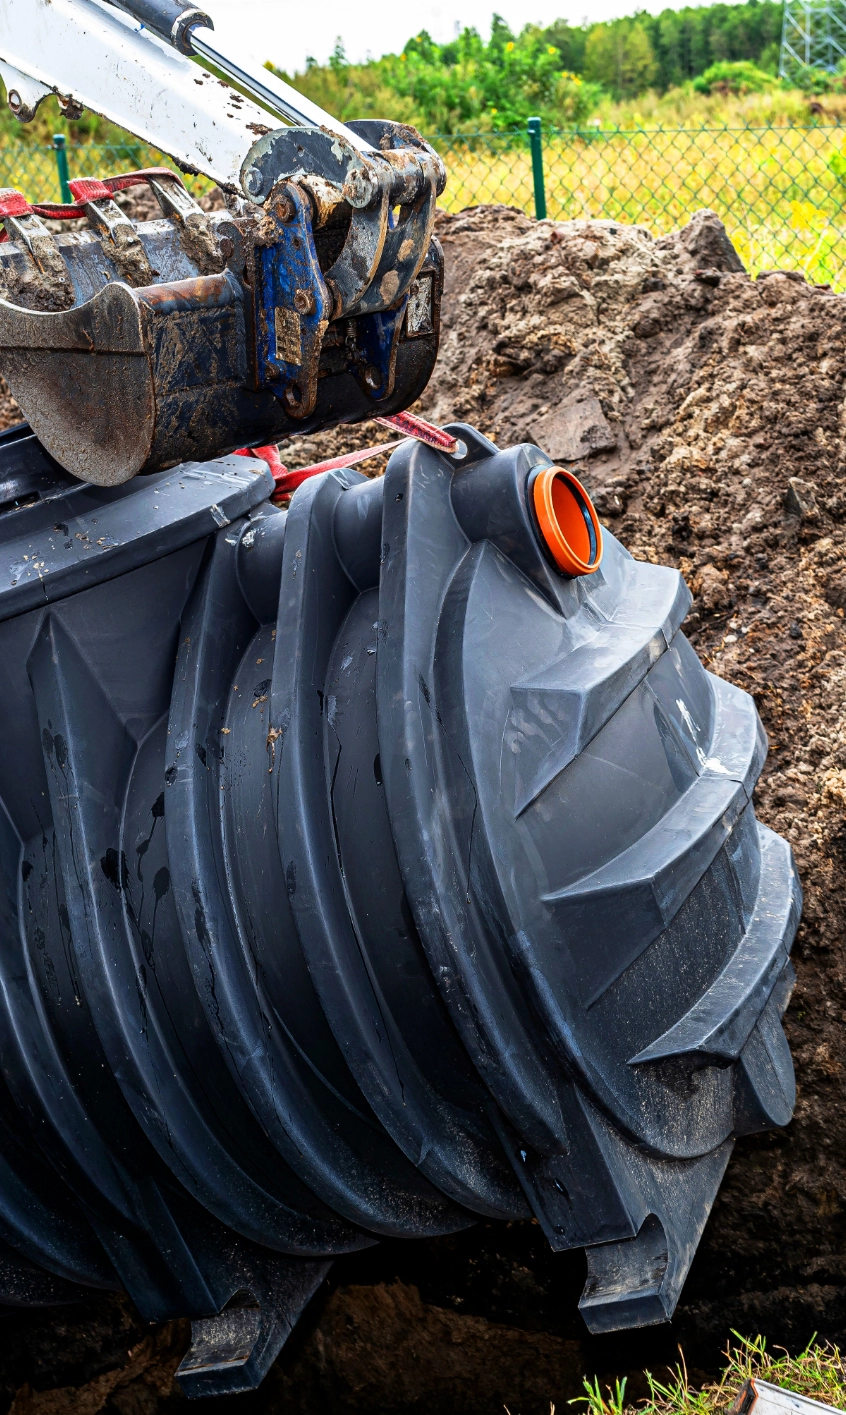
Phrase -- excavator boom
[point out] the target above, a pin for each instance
(109, 59)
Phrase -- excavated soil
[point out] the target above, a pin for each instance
(706, 413)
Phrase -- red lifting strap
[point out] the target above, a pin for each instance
(407, 423)
(135, 179)
(412, 426)
(289, 481)
(269, 454)
(58, 212)
(87, 189)
(13, 203)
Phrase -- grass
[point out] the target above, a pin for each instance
(684, 107)
(817, 1372)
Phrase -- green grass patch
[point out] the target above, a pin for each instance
(816, 1372)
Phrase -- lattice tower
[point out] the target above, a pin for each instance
(813, 36)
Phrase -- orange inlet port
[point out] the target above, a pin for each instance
(568, 523)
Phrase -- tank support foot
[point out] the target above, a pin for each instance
(233, 1351)
(636, 1282)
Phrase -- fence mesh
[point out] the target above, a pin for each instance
(781, 191)
(32, 169)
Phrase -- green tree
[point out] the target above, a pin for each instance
(689, 40)
(619, 56)
(466, 85)
(569, 40)
(558, 72)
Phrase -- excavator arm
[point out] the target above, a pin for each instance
(312, 300)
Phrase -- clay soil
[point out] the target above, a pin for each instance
(707, 415)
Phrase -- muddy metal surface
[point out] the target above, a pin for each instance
(707, 414)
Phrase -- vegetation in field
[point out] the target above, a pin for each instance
(473, 85)
(781, 191)
(560, 73)
(816, 1372)
(675, 45)
(733, 78)
(469, 85)
(702, 66)
(687, 108)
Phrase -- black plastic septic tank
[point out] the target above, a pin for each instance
(367, 868)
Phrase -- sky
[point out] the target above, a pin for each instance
(286, 31)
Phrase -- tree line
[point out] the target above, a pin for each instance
(661, 51)
(560, 72)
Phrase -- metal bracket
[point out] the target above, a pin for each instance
(403, 252)
(120, 241)
(33, 237)
(381, 256)
(195, 229)
(23, 94)
(293, 303)
(418, 178)
(289, 153)
(377, 337)
(174, 199)
(354, 271)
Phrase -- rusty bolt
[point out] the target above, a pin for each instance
(304, 302)
(372, 376)
(337, 299)
(227, 247)
(359, 189)
(285, 209)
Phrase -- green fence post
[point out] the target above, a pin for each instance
(62, 166)
(534, 127)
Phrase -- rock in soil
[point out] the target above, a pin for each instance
(705, 412)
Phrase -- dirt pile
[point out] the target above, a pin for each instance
(707, 415)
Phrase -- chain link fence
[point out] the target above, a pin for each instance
(37, 171)
(781, 191)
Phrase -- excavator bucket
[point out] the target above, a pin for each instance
(135, 347)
